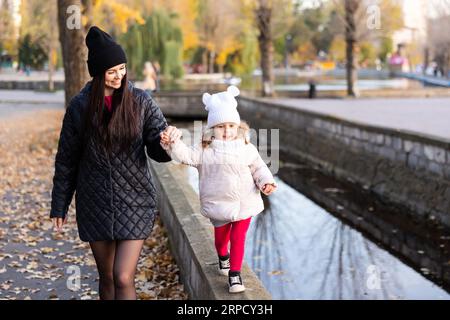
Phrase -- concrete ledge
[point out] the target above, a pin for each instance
(192, 241)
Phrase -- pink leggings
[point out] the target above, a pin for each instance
(233, 233)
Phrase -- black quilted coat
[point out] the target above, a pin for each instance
(115, 196)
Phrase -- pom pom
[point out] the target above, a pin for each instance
(206, 98)
(233, 90)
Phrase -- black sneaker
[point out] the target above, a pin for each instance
(224, 265)
(235, 282)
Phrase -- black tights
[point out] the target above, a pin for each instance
(116, 264)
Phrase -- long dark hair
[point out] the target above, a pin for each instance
(116, 131)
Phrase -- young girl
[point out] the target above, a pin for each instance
(231, 174)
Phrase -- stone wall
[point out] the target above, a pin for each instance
(401, 167)
(191, 238)
(30, 85)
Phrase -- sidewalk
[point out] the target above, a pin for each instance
(12, 75)
(35, 261)
(29, 96)
(427, 116)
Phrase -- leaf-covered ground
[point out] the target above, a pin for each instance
(35, 261)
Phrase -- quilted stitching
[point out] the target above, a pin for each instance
(115, 196)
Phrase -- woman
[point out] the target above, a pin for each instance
(101, 156)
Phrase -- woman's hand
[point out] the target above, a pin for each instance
(268, 188)
(58, 223)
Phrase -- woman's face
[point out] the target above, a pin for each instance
(114, 76)
(226, 131)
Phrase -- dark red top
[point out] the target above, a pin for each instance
(108, 102)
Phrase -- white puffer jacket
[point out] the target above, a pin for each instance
(231, 174)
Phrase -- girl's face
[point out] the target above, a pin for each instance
(114, 75)
(226, 131)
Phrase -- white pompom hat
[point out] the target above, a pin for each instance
(222, 107)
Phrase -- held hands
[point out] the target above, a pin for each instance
(268, 188)
(170, 135)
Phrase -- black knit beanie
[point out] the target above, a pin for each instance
(104, 52)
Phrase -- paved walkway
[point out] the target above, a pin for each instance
(429, 116)
(11, 75)
(35, 261)
(18, 102)
(30, 96)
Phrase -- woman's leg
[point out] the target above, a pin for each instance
(237, 239)
(104, 258)
(125, 263)
(222, 238)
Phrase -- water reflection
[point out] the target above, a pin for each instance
(364, 251)
(319, 257)
(300, 251)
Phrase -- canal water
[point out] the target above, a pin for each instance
(311, 242)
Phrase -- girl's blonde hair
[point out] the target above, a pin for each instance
(243, 133)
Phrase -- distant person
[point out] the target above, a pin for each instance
(157, 68)
(150, 77)
(232, 174)
(312, 89)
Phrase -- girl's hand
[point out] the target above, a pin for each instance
(268, 188)
(170, 135)
(165, 139)
(58, 223)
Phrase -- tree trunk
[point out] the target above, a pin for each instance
(88, 12)
(74, 51)
(446, 65)
(212, 58)
(426, 59)
(51, 85)
(52, 45)
(263, 17)
(205, 61)
(351, 6)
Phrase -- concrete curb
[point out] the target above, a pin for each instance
(191, 239)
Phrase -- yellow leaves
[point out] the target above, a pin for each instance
(230, 47)
(47, 250)
(90, 262)
(275, 273)
(123, 14)
(146, 296)
(187, 10)
(32, 265)
(148, 263)
(337, 48)
(190, 38)
(34, 225)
